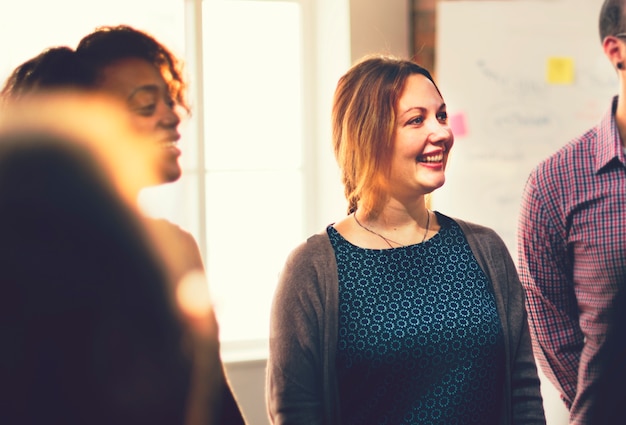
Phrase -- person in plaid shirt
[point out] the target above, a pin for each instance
(572, 243)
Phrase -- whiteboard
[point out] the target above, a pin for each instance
(491, 65)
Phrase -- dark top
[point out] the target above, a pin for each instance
(302, 380)
(420, 340)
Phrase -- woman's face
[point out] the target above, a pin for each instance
(153, 113)
(422, 142)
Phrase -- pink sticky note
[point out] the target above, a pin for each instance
(458, 124)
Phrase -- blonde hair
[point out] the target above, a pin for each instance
(363, 126)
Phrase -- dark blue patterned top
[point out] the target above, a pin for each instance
(420, 339)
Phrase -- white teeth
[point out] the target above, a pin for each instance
(167, 144)
(432, 158)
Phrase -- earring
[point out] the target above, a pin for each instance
(620, 65)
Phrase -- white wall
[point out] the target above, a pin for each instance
(380, 27)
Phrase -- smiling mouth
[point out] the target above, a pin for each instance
(430, 159)
(168, 144)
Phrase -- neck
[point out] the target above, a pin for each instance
(398, 214)
(398, 226)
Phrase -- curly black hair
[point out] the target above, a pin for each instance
(62, 66)
(108, 44)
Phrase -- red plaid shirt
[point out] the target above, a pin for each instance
(572, 258)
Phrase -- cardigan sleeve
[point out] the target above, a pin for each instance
(294, 380)
(526, 400)
(525, 403)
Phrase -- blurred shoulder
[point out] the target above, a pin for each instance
(176, 245)
(169, 229)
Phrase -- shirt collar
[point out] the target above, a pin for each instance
(608, 143)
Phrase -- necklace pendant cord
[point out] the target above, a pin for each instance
(389, 241)
(427, 225)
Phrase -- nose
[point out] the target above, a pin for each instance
(440, 133)
(169, 118)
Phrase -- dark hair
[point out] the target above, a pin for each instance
(53, 68)
(109, 44)
(61, 67)
(363, 122)
(89, 333)
(611, 20)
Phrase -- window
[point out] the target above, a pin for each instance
(253, 131)
(248, 173)
(254, 143)
(28, 27)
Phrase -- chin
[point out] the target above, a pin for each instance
(170, 174)
(171, 178)
(167, 167)
(435, 185)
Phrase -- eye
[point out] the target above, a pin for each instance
(416, 120)
(170, 102)
(442, 117)
(146, 110)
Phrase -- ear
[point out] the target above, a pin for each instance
(614, 50)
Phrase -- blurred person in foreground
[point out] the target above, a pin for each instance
(147, 78)
(396, 313)
(94, 330)
(572, 244)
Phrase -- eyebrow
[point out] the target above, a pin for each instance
(152, 88)
(421, 109)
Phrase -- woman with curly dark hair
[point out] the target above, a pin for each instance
(132, 67)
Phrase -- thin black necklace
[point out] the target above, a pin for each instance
(389, 241)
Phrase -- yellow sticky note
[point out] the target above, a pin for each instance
(560, 70)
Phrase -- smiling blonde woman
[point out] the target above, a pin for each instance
(396, 313)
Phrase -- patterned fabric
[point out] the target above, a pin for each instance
(572, 257)
(302, 382)
(420, 339)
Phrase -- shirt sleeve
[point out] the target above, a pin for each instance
(546, 275)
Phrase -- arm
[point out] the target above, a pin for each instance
(550, 299)
(294, 370)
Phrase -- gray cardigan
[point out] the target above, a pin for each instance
(301, 381)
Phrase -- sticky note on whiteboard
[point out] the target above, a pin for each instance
(458, 124)
(560, 70)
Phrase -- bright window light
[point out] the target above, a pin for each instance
(253, 130)
(250, 182)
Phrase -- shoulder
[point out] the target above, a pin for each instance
(483, 240)
(172, 235)
(311, 267)
(475, 230)
(550, 183)
(492, 254)
(316, 250)
(167, 228)
(559, 163)
(176, 245)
